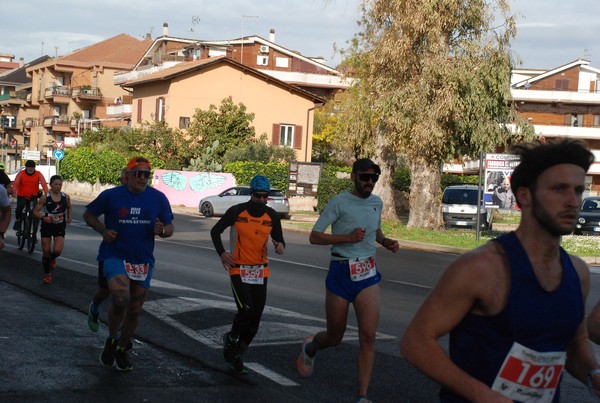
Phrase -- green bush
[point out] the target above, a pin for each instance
(401, 179)
(244, 171)
(85, 165)
(329, 187)
(456, 179)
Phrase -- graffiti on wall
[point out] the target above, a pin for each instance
(185, 188)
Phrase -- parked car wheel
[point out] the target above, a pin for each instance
(207, 209)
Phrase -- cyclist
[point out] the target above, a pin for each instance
(26, 186)
(55, 211)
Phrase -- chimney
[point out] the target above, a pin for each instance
(21, 62)
(148, 35)
(165, 29)
(272, 35)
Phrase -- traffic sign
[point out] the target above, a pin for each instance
(59, 154)
(60, 145)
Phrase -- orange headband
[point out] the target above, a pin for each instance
(134, 162)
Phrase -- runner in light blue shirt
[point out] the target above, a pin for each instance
(355, 220)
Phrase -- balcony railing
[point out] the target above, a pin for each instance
(87, 93)
(15, 97)
(57, 91)
(56, 120)
(119, 110)
(30, 122)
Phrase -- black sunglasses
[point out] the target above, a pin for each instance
(366, 177)
(140, 174)
(260, 195)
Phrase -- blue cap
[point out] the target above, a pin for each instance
(260, 183)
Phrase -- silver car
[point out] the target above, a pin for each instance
(218, 204)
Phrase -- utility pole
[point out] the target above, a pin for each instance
(242, 48)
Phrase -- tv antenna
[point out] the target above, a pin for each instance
(242, 47)
(587, 52)
(195, 21)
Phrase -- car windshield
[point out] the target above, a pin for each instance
(590, 206)
(460, 196)
(275, 193)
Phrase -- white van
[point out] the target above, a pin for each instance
(459, 207)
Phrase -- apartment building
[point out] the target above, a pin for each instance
(68, 94)
(268, 57)
(562, 102)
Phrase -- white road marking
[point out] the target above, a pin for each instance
(267, 373)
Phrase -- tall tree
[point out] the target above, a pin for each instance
(434, 85)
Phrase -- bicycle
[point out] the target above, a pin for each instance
(28, 225)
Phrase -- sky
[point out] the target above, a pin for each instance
(550, 33)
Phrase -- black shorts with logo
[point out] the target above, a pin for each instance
(53, 230)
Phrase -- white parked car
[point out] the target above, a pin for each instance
(218, 204)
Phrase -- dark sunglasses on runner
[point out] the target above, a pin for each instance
(260, 195)
(140, 174)
(366, 177)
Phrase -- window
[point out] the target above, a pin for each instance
(262, 60)
(574, 119)
(287, 135)
(160, 109)
(596, 120)
(561, 84)
(282, 62)
(184, 122)
(139, 111)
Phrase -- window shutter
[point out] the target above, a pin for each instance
(156, 109)
(275, 135)
(139, 111)
(298, 137)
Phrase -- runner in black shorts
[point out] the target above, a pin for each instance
(253, 223)
(55, 212)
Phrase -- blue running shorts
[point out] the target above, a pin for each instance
(338, 281)
(113, 267)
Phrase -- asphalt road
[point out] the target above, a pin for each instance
(48, 353)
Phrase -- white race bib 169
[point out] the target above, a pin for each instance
(528, 375)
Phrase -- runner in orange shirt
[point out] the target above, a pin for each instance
(253, 222)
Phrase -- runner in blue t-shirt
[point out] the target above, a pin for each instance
(133, 215)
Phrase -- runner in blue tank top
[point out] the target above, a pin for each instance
(514, 308)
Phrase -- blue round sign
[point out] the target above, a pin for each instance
(59, 154)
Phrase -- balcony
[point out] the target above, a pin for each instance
(28, 123)
(60, 123)
(58, 94)
(557, 97)
(119, 110)
(86, 93)
(15, 98)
